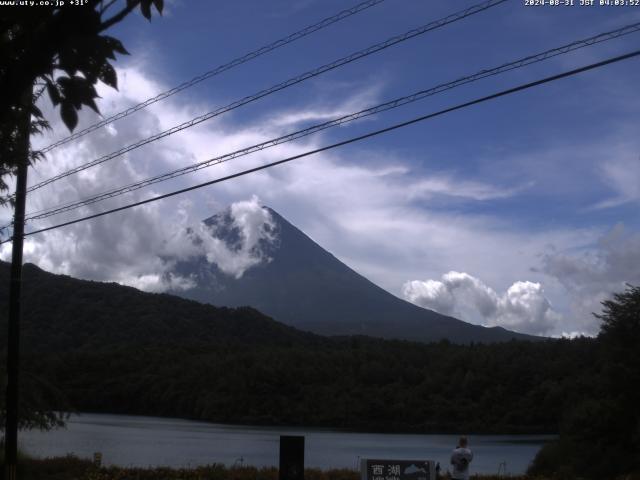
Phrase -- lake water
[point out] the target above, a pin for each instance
(148, 441)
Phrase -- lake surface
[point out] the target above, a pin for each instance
(147, 441)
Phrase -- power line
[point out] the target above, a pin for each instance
(347, 142)
(220, 69)
(531, 59)
(280, 86)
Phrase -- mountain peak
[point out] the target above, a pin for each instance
(274, 267)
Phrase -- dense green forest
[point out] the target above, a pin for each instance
(109, 348)
(355, 383)
(106, 348)
(600, 431)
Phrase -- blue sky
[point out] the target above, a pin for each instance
(520, 212)
(496, 141)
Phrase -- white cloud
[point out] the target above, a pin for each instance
(254, 226)
(140, 248)
(523, 307)
(323, 112)
(592, 274)
(622, 175)
(452, 187)
(430, 294)
(372, 208)
(155, 282)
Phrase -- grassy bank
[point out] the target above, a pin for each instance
(73, 468)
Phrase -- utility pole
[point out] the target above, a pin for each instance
(13, 336)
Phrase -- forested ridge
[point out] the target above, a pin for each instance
(109, 348)
(90, 346)
(357, 383)
(62, 314)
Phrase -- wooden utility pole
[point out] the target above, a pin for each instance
(13, 336)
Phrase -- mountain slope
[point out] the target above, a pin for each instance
(61, 314)
(305, 286)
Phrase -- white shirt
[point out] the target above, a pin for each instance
(460, 459)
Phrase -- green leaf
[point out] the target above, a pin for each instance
(145, 8)
(115, 45)
(108, 76)
(90, 102)
(65, 83)
(36, 112)
(69, 115)
(159, 5)
(68, 59)
(54, 94)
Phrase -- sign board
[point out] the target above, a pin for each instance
(372, 469)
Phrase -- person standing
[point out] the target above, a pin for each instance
(460, 459)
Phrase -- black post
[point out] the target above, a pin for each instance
(291, 458)
(13, 336)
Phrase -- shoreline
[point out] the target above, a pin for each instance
(156, 441)
(333, 429)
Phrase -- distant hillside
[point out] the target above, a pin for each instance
(61, 313)
(305, 286)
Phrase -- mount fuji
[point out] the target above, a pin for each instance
(291, 278)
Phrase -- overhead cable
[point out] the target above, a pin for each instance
(220, 69)
(520, 63)
(280, 86)
(345, 142)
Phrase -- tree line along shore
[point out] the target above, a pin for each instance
(187, 360)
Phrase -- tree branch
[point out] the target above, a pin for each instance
(118, 17)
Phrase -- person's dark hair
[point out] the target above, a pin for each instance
(463, 442)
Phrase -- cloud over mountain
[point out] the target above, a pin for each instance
(523, 307)
(153, 241)
(251, 226)
(391, 213)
